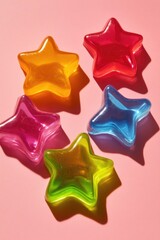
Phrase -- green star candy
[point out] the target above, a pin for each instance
(76, 173)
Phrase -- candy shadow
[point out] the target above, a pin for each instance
(70, 207)
(48, 102)
(60, 140)
(136, 83)
(146, 129)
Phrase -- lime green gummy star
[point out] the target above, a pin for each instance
(76, 172)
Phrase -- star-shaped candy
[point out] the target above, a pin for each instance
(119, 116)
(48, 69)
(28, 131)
(76, 173)
(113, 50)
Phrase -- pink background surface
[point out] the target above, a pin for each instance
(134, 208)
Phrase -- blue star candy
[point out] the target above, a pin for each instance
(119, 116)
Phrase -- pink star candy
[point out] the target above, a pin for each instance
(28, 131)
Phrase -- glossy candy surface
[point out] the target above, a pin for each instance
(75, 173)
(28, 130)
(48, 69)
(119, 116)
(113, 50)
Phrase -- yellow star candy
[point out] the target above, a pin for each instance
(48, 69)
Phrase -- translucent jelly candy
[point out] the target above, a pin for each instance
(113, 50)
(28, 131)
(119, 116)
(76, 173)
(48, 69)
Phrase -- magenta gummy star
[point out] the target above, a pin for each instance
(28, 131)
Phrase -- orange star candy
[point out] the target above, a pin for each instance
(48, 69)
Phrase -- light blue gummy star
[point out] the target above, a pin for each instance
(119, 116)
